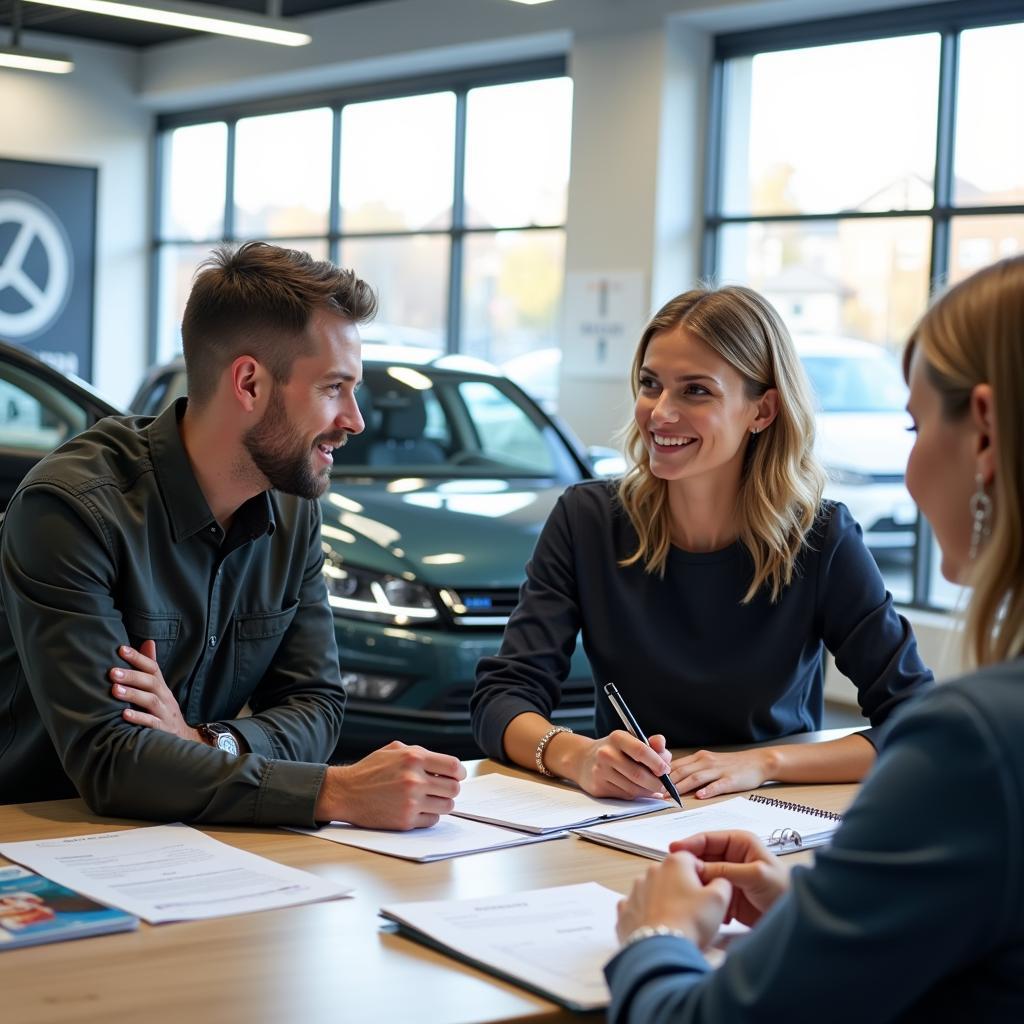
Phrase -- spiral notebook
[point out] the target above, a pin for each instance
(783, 826)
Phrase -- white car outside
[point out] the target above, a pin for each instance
(862, 437)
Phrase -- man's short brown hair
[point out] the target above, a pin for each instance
(258, 300)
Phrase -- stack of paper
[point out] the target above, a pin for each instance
(782, 829)
(538, 808)
(554, 942)
(450, 837)
(170, 873)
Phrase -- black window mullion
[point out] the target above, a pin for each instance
(455, 261)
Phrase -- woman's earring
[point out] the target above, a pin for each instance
(755, 430)
(981, 516)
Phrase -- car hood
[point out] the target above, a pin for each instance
(454, 532)
(867, 442)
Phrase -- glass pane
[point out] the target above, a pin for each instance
(410, 277)
(195, 178)
(176, 268)
(864, 279)
(504, 431)
(283, 174)
(34, 417)
(517, 153)
(432, 423)
(989, 165)
(830, 128)
(397, 163)
(512, 293)
(975, 242)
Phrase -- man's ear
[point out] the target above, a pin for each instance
(983, 421)
(248, 382)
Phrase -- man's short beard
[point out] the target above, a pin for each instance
(281, 454)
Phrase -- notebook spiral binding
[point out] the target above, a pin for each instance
(789, 805)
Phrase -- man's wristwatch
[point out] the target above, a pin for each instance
(219, 736)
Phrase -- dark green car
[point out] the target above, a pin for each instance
(432, 514)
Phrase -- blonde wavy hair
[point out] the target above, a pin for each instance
(974, 334)
(782, 480)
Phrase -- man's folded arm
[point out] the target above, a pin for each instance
(59, 571)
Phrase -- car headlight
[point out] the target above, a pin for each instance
(850, 477)
(362, 594)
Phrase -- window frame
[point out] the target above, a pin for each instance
(949, 20)
(460, 82)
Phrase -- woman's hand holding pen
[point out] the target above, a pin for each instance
(618, 765)
(712, 774)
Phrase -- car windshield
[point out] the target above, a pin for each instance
(844, 383)
(423, 424)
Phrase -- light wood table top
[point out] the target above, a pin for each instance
(325, 962)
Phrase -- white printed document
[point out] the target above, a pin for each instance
(450, 837)
(783, 827)
(170, 873)
(554, 942)
(536, 807)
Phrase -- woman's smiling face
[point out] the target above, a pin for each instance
(692, 407)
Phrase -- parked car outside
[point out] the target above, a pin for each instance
(862, 437)
(432, 513)
(40, 408)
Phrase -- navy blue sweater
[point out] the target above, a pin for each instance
(690, 659)
(914, 913)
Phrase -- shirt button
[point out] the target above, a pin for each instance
(213, 641)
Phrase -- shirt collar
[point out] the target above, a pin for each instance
(183, 498)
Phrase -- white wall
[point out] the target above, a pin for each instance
(93, 117)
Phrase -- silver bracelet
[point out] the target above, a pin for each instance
(538, 754)
(649, 931)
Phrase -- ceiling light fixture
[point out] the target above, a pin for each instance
(531, 2)
(197, 17)
(15, 56)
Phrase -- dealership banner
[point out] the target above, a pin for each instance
(47, 256)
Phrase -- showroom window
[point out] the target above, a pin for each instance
(848, 204)
(447, 194)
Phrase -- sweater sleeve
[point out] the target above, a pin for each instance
(872, 643)
(527, 672)
(918, 884)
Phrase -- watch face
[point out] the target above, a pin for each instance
(227, 742)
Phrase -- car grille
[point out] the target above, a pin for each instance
(577, 694)
(483, 607)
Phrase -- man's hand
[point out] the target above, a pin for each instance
(143, 685)
(396, 787)
(619, 765)
(672, 894)
(758, 877)
(712, 774)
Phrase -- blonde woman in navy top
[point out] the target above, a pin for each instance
(705, 584)
(916, 911)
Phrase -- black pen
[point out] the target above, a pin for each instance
(631, 725)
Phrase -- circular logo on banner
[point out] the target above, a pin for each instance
(35, 267)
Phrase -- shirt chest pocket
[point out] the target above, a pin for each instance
(160, 627)
(257, 638)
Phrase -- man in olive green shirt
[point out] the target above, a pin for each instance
(161, 572)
